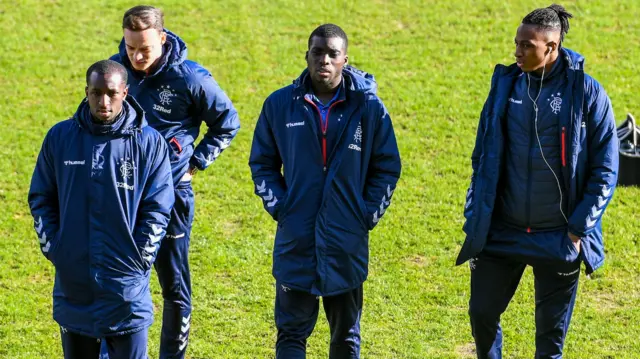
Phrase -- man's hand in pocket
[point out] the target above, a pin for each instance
(576, 241)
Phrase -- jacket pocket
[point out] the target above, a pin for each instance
(573, 253)
(280, 210)
(182, 212)
(55, 243)
(364, 216)
(176, 150)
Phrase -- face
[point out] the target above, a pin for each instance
(105, 94)
(144, 48)
(532, 47)
(325, 59)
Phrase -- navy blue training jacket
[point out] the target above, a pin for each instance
(589, 159)
(177, 97)
(325, 200)
(101, 197)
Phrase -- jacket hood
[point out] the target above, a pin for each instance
(574, 61)
(131, 119)
(174, 53)
(355, 80)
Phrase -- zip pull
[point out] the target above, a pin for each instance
(563, 143)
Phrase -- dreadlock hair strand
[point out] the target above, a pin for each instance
(554, 17)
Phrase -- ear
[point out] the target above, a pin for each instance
(551, 47)
(346, 59)
(306, 56)
(163, 37)
(86, 91)
(126, 91)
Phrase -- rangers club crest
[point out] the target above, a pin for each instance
(166, 93)
(555, 102)
(126, 169)
(357, 136)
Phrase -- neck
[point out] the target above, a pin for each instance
(154, 66)
(323, 93)
(549, 65)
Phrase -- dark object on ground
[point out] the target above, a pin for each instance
(629, 136)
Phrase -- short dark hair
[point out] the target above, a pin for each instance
(328, 31)
(143, 17)
(106, 67)
(554, 17)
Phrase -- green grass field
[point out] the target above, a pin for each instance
(433, 61)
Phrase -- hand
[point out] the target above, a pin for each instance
(576, 241)
(188, 176)
(192, 170)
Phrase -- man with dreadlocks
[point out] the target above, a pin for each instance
(544, 170)
(332, 137)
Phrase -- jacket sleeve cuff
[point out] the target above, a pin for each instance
(193, 162)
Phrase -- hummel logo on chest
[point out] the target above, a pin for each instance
(295, 124)
(74, 163)
(519, 102)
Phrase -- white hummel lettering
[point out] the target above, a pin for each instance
(518, 102)
(174, 236)
(569, 274)
(295, 124)
(74, 163)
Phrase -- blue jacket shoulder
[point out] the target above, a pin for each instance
(592, 89)
(280, 98)
(62, 128)
(116, 58)
(192, 72)
(152, 140)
